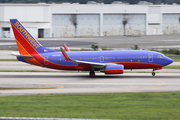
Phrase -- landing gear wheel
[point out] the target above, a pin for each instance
(153, 73)
(92, 74)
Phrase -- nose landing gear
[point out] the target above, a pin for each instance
(153, 73)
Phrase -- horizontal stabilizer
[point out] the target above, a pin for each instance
(23, 56)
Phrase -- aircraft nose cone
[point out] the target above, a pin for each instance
(169, 61)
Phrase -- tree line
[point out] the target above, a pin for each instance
(85, 1)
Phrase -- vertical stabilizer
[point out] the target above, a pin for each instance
(26, 43)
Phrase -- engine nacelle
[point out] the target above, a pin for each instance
(114, 69)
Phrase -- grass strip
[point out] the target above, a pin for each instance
(97, 106)
(8, 60)
(171, 67)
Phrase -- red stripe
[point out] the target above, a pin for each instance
(23, 41)
(138, 65)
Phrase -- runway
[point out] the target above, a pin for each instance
(61, 83)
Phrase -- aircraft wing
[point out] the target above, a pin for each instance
(19, 55)
(67, 58)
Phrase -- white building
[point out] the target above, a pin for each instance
(69, 20)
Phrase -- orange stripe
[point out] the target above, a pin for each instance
(29, 60)
(21, 49)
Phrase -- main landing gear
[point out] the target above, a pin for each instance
(153, 73)
(92, 74)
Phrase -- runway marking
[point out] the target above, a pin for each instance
(162, 83)
(60, 86)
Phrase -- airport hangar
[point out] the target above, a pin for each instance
(78, 20)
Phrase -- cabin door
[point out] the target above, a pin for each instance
(101, 59)
(150, 57)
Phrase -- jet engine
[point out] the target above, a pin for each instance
(114, 69)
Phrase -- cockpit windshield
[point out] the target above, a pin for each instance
(161, 56)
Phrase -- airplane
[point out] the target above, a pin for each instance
(109, 62)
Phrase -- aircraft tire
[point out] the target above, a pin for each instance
(153, 73)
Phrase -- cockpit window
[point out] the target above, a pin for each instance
(161, 56)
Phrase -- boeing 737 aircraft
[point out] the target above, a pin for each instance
(109, 62)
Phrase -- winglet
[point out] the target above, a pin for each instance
(66, 57)
(66, 48)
